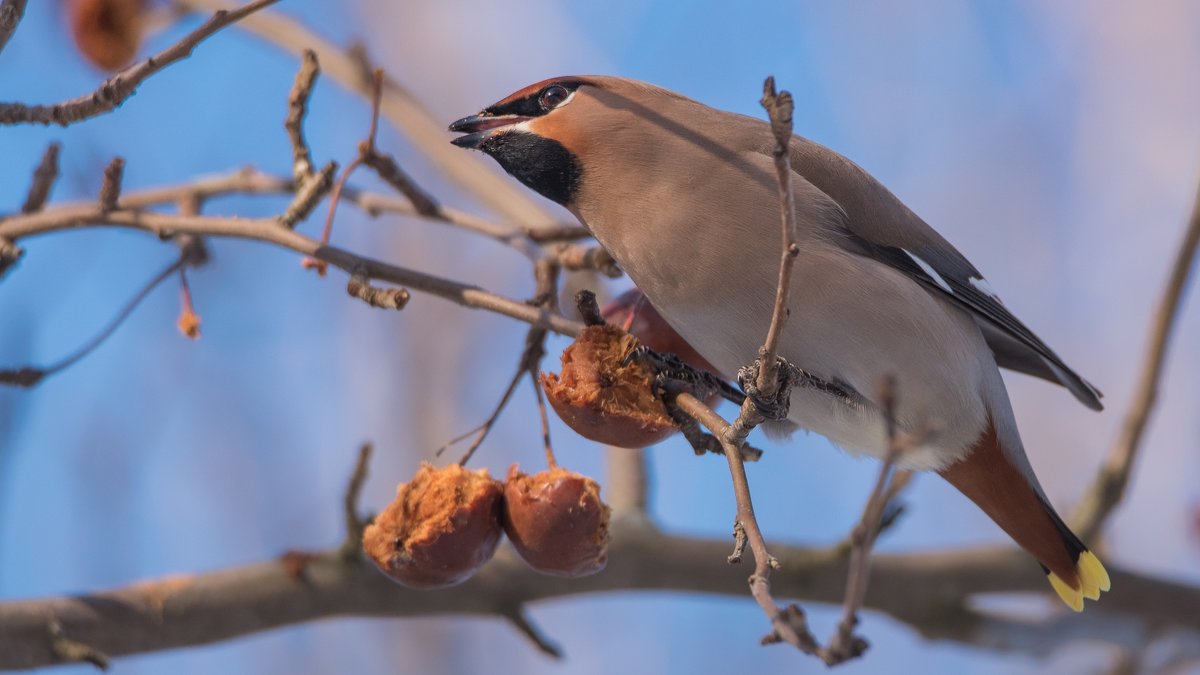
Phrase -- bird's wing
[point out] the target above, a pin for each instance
(877, 224)
(1014, 345)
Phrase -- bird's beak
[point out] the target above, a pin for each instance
(479, 128)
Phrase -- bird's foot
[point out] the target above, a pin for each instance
(670, 368)
(774, 406)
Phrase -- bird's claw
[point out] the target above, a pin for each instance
(776, 406)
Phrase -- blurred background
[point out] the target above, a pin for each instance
(1054, 143)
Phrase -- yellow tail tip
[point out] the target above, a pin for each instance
(1093, 579)
(1092, 575)
(1072, 596)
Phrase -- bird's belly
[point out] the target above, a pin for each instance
(851, 321)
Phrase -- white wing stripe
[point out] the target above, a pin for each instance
(929, 271)
(984, 287)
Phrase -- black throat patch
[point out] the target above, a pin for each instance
(542, 164)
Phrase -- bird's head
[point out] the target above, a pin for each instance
(531, 133)
(557, 134)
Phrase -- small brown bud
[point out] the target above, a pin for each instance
(557, 521)
(442, 527)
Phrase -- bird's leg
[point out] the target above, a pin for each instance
(701, 442)
(774, 407)
(668, 366)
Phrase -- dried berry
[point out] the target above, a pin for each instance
(602, 397)
(108, 32)
(557, 521)
(442, 527)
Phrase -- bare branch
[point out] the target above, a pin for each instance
(306, 77)
(29, 376)
(845, 645)
(355, 524)
(43, 180)
(920, 589)
(387, 169)
(11, 12)
(121, 86)
(1108, 488)
(520, 620)
(771, 384)
(312, 190)
(779, 109)
(405, 111)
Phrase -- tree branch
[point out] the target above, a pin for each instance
(268, 230)
(121, 86)
(922, 590)
(398, 105)
(1108, 488)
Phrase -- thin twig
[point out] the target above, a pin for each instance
(312, 190)
(43, 180)
(385, 167)
(11, 12)
(121, 86)
(1110, 483)
(528, 363)
(772, 383)
(779, 109)
(702, 443)
(267, 230)
(845, 645)
(519, 618)
(110, 188)
(543, 416)
(29, 376)
(252, 182)
(306, 77)
(355, 524)
(482, 430)
(425, 130)
(336, 196)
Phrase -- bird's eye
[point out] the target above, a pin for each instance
(551, 96)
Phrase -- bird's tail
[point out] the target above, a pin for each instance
(1011, 497)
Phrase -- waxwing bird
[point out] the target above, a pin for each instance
(685, 199)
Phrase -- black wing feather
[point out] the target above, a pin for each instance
(953, 282)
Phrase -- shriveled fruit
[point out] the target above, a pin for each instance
(603, 398)
(443, 526)
(108, 32)
(557, 521)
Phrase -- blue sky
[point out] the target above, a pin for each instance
(1055, 145)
